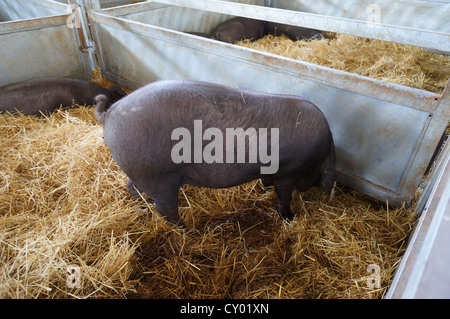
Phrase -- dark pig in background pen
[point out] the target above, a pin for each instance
(203, 35)
(293, 32)
(45, 95)
(170, 133)
(238, 29)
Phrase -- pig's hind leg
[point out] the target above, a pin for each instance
(133, 188)
(167, 205)
(165, 196)
(283, 190)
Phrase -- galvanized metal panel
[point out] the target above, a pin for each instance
(417, 14)
(174, 17)
(425, 38)
(423, 271)
(107, 3)
(40, 47)
(27, 9)
(381, 130)
(133, 9)
(113, 3)
(180, 19)
(159, 15)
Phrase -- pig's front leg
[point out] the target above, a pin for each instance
(283, 190)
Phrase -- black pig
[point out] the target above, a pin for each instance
(170, 133)
(237, 29)
(202, 34)
(293, 32)
(47, 94)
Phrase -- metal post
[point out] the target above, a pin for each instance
(94, 5)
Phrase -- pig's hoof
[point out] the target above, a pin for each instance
(286, 214)
(178, 223)
(133, 193)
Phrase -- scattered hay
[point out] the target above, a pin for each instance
(55, 173)
(68, 229)
(239, 248)
(100, 80)
(398, 63)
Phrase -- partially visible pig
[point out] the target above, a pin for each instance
(293, 32)
(202, 34)
(144, 129)
(239, 28)
(47, 94)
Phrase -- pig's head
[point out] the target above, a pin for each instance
(230, 33)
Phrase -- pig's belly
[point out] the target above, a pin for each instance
(220, 175)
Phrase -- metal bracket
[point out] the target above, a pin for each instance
(80, 24)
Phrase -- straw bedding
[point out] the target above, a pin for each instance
(63, 202)
(64, 206)
(398, 63)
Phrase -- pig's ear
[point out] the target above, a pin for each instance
(116, 93)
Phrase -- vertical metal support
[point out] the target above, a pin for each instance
(438, 167)
(91, 7)
(426, 244)
(94, 5)
(75, 22)
(80, 24)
